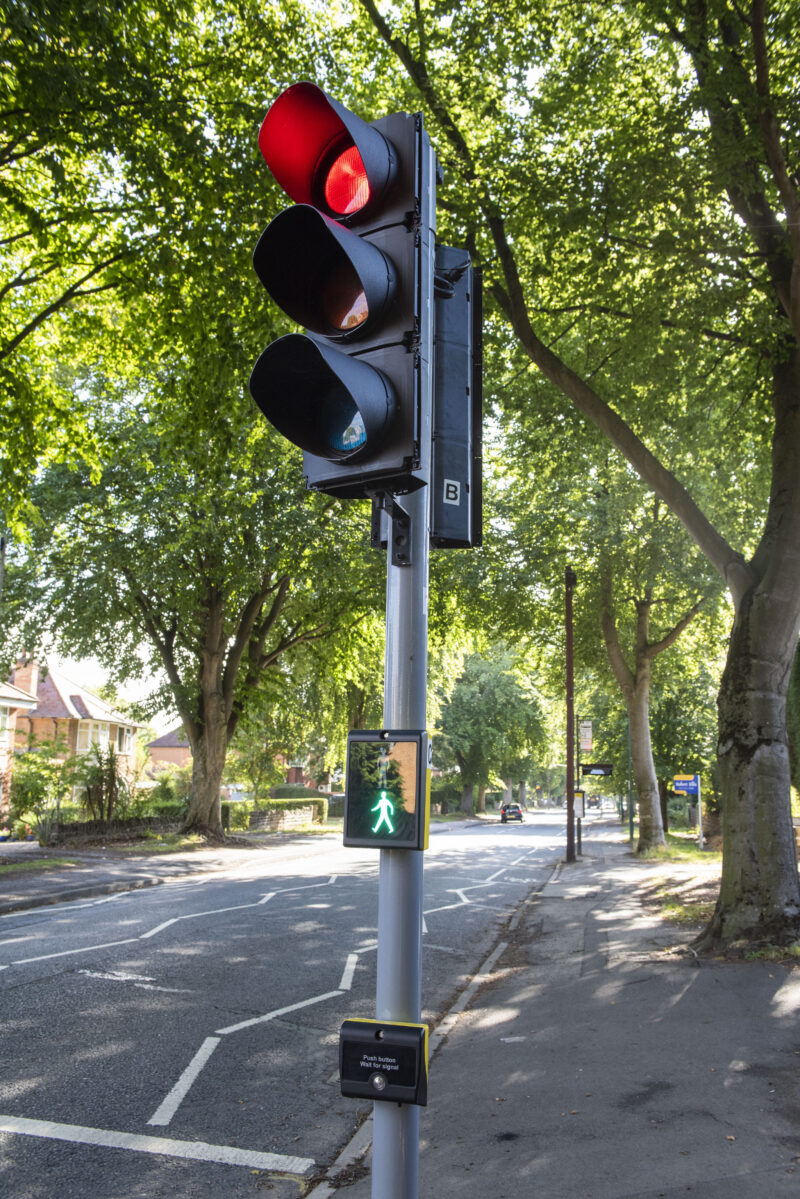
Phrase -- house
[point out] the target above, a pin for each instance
(67, 712)
(171, 749)
(13, 701)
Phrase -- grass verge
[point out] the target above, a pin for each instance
(38, 864)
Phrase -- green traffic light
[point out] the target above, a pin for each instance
(386, 808)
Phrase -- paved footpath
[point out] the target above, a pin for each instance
(595, 1064)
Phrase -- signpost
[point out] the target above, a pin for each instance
(689, 784)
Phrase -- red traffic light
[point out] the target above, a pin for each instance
(324, 155)
(323, 276)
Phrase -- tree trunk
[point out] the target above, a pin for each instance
(663, 801)
(481, 802)
(468, 799)
(508, 791)
(651, 829)
(759, 894)
(208, 737)
(208, 761)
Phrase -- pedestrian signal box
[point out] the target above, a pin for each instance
(384, 1059)
(387, 789)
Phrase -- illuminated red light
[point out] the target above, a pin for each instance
(346, 185)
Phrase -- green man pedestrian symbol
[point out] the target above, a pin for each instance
(385, 809)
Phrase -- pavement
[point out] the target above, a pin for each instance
(593, 1057)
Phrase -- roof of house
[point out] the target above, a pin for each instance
(15, 697)
(175, 739)
(59, 698)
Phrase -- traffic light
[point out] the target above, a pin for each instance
(352, 262)
(387, 789)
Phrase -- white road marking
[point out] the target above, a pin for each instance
(142, 981)
(44, 957)
(193, 1150)
(118, 976)
(212, 912)
(65, 953)
(281, 1011)
(349, 970)
(168, 1107)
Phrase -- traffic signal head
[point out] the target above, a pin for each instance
(387, 789)
(323, 154)
(352, 262)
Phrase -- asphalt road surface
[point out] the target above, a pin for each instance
(183, 1040)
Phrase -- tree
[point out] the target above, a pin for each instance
(669, 232)
(205, 557)
(97, 120)
(489, 724)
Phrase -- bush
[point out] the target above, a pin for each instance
(105, 791)
(295, 791)
(239, 815)
(170, 808)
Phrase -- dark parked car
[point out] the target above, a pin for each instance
(510, 811)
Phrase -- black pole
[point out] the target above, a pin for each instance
(569, 582)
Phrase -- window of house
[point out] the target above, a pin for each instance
(91, 732)
(3, 726)
(125, 738)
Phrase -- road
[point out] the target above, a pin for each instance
(182, 1041)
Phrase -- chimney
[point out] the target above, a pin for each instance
(26, 676)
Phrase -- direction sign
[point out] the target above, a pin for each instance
(689, 784)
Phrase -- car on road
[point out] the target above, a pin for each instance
(510, 811)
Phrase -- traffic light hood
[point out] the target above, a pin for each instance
(323, 154)
(323, 276)
(323, 401)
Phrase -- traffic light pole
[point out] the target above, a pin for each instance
(398, 996)
(395, 1154)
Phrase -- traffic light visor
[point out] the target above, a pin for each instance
(323, 276)
(323, 401)
(323, 154)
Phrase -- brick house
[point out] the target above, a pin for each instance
(171, 749)
(13, 702)
(68, 712)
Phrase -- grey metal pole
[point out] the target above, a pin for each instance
(699, 813)
(395, 1154)
(398, 995)
(569, 583)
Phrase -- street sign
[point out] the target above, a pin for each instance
(580, 804)
(597, 768)
(387, 789)
(585, 732)
(688, 784)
